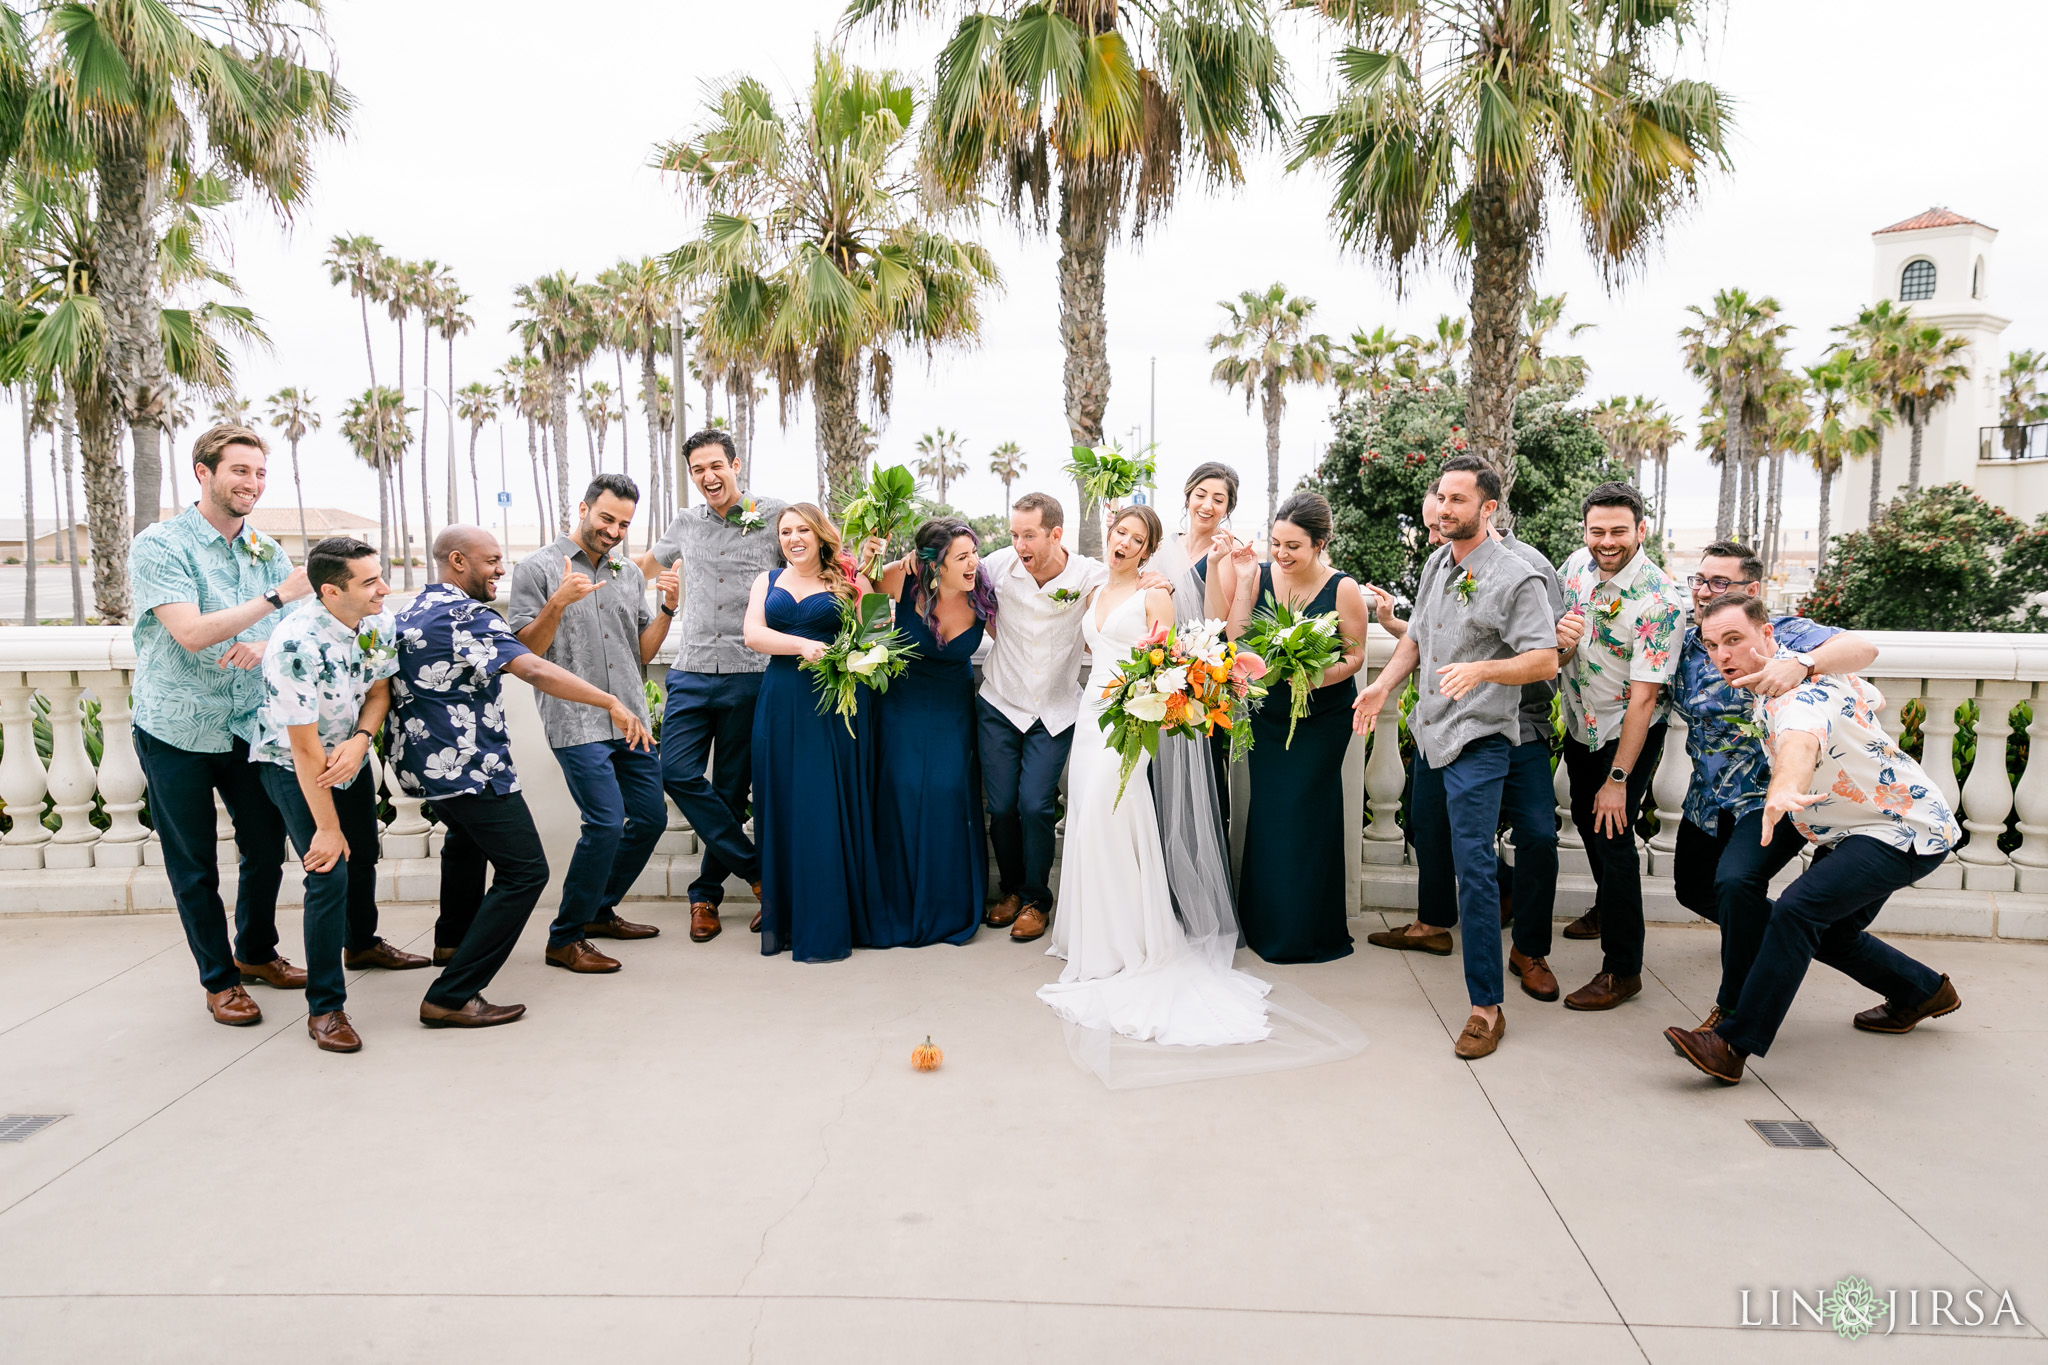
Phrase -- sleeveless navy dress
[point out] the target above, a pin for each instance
(812, 782)
(1290, 887)
(931, 851)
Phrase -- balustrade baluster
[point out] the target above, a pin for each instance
(2030, 798)
(120, 777)
(1668, 786)
(23, 783)
(1561, 790)
(1384, 778)
(406, 835)
(1987, 796)
(1938, 756)
(72, 779)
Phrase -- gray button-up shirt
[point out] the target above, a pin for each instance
(1537, 696)
(720, 564)
(598, 639)
(1503, 612)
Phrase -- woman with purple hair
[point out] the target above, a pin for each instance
(929, 843)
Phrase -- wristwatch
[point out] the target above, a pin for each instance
(1806, 660)
(276, 602)
(666, 609)
(365, 734)
(1617, 775)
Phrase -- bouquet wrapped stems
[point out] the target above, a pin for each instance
(868, 651)
(1298, 650)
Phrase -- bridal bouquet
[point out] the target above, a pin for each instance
(882, 508)
(1297, 650)
(1186, 680)
(868, 651)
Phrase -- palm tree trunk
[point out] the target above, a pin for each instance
(1820, 553)
(1745, 512)
(376, 442)
(106, 503)
(1087, 213)
(384, 517)
(404, 522)
(650, 402)
(476, 490)
(1919, 426)
(1876, 476)
(1774, 490)
(454, 503)
(28, 507)
(128, 193)
(171, 465)
(71, 511)
(1503, 235)
(590, 446)
(560, 414)
(542, 516)
(426, 410)
(625, 427)
(299, 492)
(835, 393)
(1271, 403)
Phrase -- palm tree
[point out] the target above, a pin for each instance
(1369, 363)
(358, 262)
(1656, 432)
(1532, 367)
(450, 322)
(643, 303)
(528, 389)
(1006, 462)
(374, 423)
(813, 265)
(230, 410)
(1439, 354)
(943, 460)
(1116, 102)
(1460, 119)
(1265, 351)
(1787, 419)
(598, 414)
(292, 412)
(1840, 385)
(1730, 349)
(131, 93)
(1915, 369)
(2019, 404)
(560, 328)
(476, 403)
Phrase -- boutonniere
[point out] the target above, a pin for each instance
(1064, 597)
(745, 517)
(615, 561)
(1612, 609)
(1465, 585)
(261, 549)
(373, 644)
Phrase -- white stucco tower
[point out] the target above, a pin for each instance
(1939, 264)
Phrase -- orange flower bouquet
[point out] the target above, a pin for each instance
(1185, 680)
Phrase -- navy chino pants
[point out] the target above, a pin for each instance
(707, 722)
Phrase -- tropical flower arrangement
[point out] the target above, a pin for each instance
(883, 508)
(1184, 680)
(1065, 597)
(868, 651)
(1297, 649)
(1108, 475)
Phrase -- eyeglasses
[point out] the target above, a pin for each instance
(1717, 585)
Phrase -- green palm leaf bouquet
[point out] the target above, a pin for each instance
(1108, 475)
(882, 509)
(1298, 650)
(868, 651)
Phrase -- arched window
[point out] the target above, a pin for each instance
(1977, 279)
(1916, 281)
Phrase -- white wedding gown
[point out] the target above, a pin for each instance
(1131, 969)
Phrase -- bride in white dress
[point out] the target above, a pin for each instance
(1132, 968)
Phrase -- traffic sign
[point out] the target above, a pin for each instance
(504, 498)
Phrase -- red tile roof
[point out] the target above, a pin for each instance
(1933, 218)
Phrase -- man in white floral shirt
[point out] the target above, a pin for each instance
(1879, 824)
(324, 696)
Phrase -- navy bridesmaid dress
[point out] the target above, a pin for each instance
(811, 786)
(1290, 888)
(930, 849)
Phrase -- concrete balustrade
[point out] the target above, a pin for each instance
(78, 868)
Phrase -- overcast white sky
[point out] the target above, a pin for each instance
(505, 144)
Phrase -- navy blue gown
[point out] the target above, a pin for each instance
(931, 852)
(811, 786)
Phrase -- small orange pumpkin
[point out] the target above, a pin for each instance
(926, 1056)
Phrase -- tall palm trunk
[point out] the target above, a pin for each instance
(1272, 402)
(28, 507)
(128, 193)
(454, 503)
(1503, 253)
(559, 405)
(650, 402)
(476, 489)
(591, 447)
(377, 444)
(171, 466)
(1876, 476)
(541, 515)
(404, 521)
(835, 393)
(625, 428)
(106, 502)
(426, 409)
(1918, 422)
(71, 510)
(384, 516)
(299, 493)
(1774, 488)
(1087, 214)
(1820, 553)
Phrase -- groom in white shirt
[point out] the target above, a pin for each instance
(1030, 695)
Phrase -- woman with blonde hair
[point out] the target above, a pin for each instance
(812, 778)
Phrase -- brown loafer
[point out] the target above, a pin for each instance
(1892, 1017)
(611, 926)
(1604, 992)
(443, 955)
(704, 925)
(1713, 1019)
(1708, 1051)
(581, 957)
(277, 973)
(1585, 926)
(1031, 923)
(476, 1012)
(333, 1032)
(1537, 978)
(384, 955)
(1436, 941)
(1476, 1040)
(233, 1006)
(1004, 912)
(754, 924)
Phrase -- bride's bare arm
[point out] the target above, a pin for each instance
(1158, 608)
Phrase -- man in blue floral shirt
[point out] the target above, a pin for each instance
(449, 744)
(1721, 867)
(208, 588)
(325, 696)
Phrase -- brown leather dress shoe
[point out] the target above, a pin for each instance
(1004, 912)
(443, 955)
(1892, 1017)
(1708, 1051)
(1436, 941)
(1537, 978)
(276, 973)
(1714, 1017)
(1585, 926)
(333, 1032)
(754, 924)
(611, 926)
(1476, 1040)
(384, 955)
(581, 957)
(476, 1012)
(233, 1006)
(1032, 922)
(704, 925)
(1604, 992)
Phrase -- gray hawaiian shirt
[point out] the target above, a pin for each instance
(1537, 697)
(316, 671)
(722, 556)
(598, 639)
(1492, 606)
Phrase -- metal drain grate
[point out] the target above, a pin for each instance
(22, 1127)
(1797, 1134)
